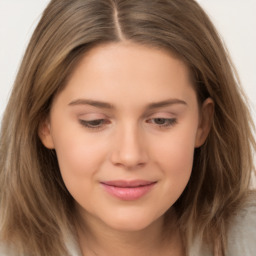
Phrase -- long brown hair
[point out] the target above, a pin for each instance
(36, 208)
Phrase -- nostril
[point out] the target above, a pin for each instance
(129, 159)
(129, 148)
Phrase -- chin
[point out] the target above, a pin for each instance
(129, 226)
(130, 223)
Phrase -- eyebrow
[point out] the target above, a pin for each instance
(166, 103)
(94, 103)
(101, 104)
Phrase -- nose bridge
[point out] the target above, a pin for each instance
(130, 148)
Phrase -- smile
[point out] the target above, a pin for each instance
(128, 190)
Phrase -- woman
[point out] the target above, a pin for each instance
(131, 136)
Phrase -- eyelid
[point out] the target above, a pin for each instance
(92, 116)
(94, 124)
(162, 114)
(168, 122)
(162, 119)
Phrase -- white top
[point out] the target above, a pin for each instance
(241, 237)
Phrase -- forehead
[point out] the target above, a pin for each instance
(133, 71)
(128, 56)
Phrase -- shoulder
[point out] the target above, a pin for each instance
(4, 251)
(242, 230)
(241, 236)
(72, 244)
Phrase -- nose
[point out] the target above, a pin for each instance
(129, 149)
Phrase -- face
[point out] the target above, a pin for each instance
(124, 129)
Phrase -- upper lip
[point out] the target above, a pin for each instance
(128, 183)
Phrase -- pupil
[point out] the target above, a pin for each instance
(96, 122)
(159, 120)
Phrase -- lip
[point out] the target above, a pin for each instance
(128, 190)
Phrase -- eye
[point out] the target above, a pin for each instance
(162, 122)
(94, 124)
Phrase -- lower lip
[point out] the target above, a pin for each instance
(128, 193)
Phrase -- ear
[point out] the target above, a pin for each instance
(44, 133)
(205, 122)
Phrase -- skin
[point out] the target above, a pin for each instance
(137, 137)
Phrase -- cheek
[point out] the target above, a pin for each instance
(177, 166)
(175, 159)
(177, 149)
(78, 153)
(79, 164)
(79, 160)
(74, 157)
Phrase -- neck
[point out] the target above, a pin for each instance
(96, 238)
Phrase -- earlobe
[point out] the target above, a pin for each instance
(205, 122)
(44, 133)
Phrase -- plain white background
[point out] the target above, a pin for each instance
(235, 20)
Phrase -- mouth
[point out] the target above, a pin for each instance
(128, 190)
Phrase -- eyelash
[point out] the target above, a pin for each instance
(95, 124)
(168, 122)
(98, 124)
